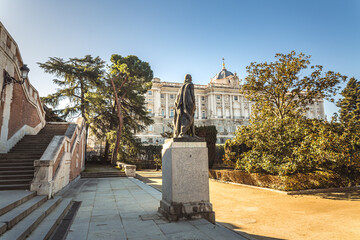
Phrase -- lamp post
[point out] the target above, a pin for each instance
(24, 71)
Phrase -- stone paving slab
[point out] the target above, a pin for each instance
(126, 208)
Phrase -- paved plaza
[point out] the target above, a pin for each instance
(126, 208)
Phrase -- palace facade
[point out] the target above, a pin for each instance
(218, 103)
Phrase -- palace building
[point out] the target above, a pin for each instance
(218, 103)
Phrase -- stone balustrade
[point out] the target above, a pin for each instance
(130, 170)
(61, 162)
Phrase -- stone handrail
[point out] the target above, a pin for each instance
(130, 170)
(59, 164)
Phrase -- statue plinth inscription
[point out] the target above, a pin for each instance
(185, 178)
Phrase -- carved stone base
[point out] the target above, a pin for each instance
(180, 211)
(185, 181)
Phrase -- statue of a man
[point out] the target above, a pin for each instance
(184, 110)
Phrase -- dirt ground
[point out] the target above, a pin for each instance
(263, 214)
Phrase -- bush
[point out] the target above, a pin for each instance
(209, 133)
(294, 145)
(219, 153)
(295, 182)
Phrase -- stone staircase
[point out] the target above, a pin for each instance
(102, 174)
(17, 166)
(25, 215)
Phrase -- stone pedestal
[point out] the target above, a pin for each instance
(185, 181)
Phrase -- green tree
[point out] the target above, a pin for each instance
(279, 139)
(350, 103)
(350, 122)
(282, 88)
(77, 77)
(119, 105)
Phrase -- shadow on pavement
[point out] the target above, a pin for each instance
(237, 229)
(152, 183)
(353, 195)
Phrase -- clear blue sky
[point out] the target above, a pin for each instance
(179, 37)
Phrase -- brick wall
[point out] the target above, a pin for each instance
(21, 111)
(77, 159)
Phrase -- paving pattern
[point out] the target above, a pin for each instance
(126, 208)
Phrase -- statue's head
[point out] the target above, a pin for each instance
(188, 78)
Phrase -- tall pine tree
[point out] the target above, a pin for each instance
(75, 77)
(119, 110)
(350, 103)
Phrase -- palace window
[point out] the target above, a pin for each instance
(162, 95)
(172, 113)
(218, 97)
(235, 98)
(149, 92)
(202, 98)
(163, 112)
(171, 96)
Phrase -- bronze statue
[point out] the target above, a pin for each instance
(184, 110)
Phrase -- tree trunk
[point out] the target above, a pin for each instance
(118, 136)
(82, 109)
(106, 151)
(107, 144)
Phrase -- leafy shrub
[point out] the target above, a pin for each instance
(294, 145)
(209, 133)
(219, 153)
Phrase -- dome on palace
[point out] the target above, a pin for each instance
(223, 74)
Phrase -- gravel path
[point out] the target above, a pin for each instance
(263, 214)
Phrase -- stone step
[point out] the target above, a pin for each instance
(43, 135)
(15, 181)
(15, 187)
(28, 145)
(12, 198)
(38, 138)
(18, 163)
(16, 168)
(9, 219)
(50, 125)
(11, 159)
(19, 155)
(16, 172)
(53, 129)
(17, 176)
(28, 224)
(49, 224)
(28, 151)
(102, 174)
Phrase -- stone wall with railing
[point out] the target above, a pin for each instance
(62, 161)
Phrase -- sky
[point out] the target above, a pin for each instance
(187, 36)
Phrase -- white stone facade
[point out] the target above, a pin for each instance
(218, 103)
